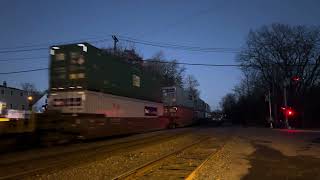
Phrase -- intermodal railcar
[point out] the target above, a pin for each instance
(96, 94)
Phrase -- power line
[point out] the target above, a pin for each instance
(22, 50)
(132, 40)
(186, 48)
(165, 62)
(19, 59)
(51, 43)
(23, 71)
(15, 50)
(198, 64)
(175, 45)
(153, 61)
(181, 48)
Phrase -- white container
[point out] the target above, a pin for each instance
(176, 96)
(91, 102)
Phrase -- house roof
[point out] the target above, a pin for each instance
(1, 86)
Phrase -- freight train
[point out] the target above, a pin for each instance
(94, 93)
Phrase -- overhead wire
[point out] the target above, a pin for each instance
(173, 45)
(21, 58)
(127, 39)
(149, 61)
(22, 50)
(51, 43)
(185, 48)
(23, 71)
(153, 61)
(15, 50)
(132, 40)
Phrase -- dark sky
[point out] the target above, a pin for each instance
(205, 23)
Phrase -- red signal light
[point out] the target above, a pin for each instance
(296, 78)
(288, 111)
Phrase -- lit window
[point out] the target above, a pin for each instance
(60, 57)
(76, 76)
(81, 75)
(72, 76)
(80, 60)
(75, 55)
(135, 80)
(60, 70)
(77, 58)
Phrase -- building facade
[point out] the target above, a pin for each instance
(13, 98)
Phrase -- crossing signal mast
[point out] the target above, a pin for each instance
(288, 111)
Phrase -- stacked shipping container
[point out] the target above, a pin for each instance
(83, 66)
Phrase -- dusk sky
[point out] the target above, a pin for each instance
(203, 23)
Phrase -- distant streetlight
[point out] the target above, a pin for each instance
(30, 98)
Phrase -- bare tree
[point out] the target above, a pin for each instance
(32, 91)
(228, 104)
(279, 52)
(272, 56)
(170, 73)
(192, 84)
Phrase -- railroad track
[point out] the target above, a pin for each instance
(85, 154)
(180, 164)
(193, 174)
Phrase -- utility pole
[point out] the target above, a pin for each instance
(115, 41)
(286, 82)
(270, 110)
(273, 93)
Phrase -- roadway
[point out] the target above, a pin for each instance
(184, 153)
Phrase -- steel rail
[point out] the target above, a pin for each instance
(122, 145)
(150, 164)
(192, 175)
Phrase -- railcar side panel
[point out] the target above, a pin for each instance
(92, 114)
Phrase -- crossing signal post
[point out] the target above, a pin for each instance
(288, 113)
(268, 98)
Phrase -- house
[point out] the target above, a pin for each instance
(13, 98)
